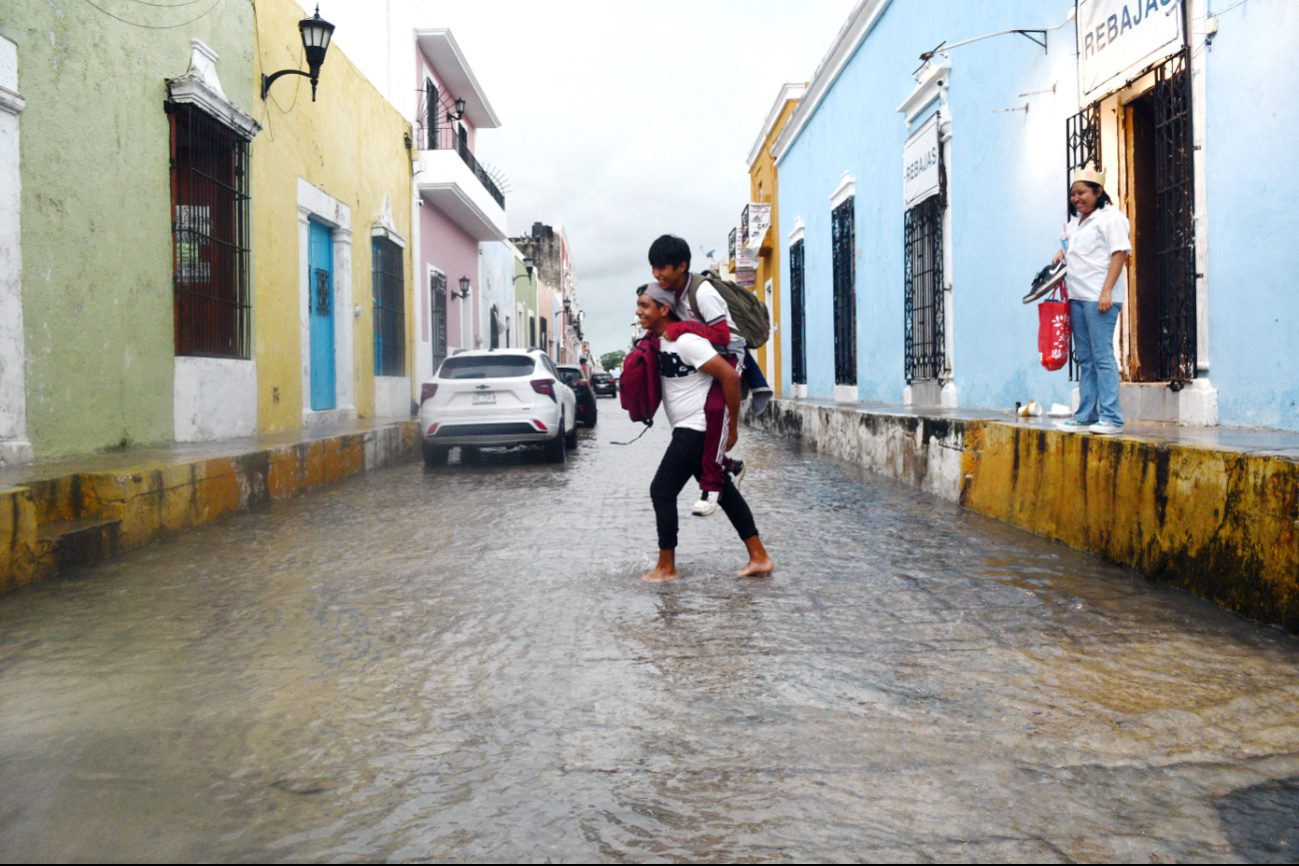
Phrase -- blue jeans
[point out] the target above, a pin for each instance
(1098, 373)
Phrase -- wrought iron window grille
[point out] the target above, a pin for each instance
(1175, 197)
(210, 236)
(387, 279)
(844, 249)
(798, 329)
(438, 293)
(923, 306)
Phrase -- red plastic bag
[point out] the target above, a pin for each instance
(1053, 331)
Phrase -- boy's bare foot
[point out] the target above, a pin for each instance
(666, 569)
(759, 561)
(661, 575)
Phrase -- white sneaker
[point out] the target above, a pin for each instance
(707, 503)
(1106, 427)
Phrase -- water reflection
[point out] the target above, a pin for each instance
(460, 664)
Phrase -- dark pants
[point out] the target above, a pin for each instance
(681, 462)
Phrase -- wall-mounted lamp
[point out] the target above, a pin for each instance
(316, 33)
(464, 289)
(459, 113)
(528, 265)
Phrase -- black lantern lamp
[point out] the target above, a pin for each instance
(316, 33)
(528, 264)
(460, 111)
(464, 289)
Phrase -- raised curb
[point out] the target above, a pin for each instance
(154, 501)
(1221, 523)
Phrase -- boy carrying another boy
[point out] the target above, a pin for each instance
(669, 257)
(690, 370)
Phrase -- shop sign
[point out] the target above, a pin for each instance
(920, 164)
(759, 223)
(1119, 38)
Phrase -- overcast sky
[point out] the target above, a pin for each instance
(624, 120)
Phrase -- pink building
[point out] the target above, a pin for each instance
(460, 205)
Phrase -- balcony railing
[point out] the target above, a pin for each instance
(447, 137)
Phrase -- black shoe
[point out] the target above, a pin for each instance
(1046, 280)
(737, 472)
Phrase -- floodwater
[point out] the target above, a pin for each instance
(461, 664)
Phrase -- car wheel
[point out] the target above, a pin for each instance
(434, 455)
(469, 454)
(570, 440)
(595, 413)
(556, 450)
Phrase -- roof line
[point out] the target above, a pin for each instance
(789, 90)
(851, 35)
(464, 65)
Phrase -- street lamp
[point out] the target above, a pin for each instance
(464, 289)
(527, 265)
(460, 111)
(316, 33)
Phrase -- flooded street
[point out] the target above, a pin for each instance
(461, 664)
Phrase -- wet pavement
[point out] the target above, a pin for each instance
(461, 664)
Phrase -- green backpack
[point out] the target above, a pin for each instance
(752, 319)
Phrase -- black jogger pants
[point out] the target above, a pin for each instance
(682, 461)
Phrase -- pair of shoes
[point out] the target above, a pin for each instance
(1105, 427)
(707, 503)
(1072, 426)
(1046, 280)
(736, 470)
(761, 399)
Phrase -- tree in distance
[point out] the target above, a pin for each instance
(612, 360)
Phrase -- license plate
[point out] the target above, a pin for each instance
(480, 399)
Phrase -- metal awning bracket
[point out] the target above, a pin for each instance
(1028, 34)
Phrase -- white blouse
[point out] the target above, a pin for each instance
(1091, 244)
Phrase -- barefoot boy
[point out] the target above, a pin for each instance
(689, 366)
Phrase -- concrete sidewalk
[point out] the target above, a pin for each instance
(1212, 510)
(76, 510)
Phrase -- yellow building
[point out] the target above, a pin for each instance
(331, 205)
(763, 188)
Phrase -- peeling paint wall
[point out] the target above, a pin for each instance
(1221, 524)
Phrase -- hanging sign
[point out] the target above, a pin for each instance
(920, 171)
(1119, 38)
(759, 223)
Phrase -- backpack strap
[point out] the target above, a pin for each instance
(692, 293)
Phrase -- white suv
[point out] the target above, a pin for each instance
(495, 397)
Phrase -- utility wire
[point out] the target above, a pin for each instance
(155, 26)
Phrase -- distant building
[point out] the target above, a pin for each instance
(549, 248)
(764, 189)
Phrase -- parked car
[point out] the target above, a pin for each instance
(603, 383)
(574, 378)
(495, 397)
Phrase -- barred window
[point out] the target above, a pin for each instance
(923, 302)
(431, 107)
(844, 245)
(386, 271)
(210, 235)
(798, 331)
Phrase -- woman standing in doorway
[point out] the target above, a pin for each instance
(1096, 246)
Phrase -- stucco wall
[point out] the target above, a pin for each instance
(1006, 180)
(1253, 119)
(496, 272)
(763, 172)
(96, 227)
(14, 447)
(349, 144)
(450, 249)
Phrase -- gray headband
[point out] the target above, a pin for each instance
(660, 295)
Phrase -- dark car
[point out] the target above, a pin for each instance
(603, 383)
(574, 378)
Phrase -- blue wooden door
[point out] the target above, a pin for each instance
(320, 299)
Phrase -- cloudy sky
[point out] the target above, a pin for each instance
(625, 119)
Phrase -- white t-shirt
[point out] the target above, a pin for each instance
(1092, 243)
(714, 309)
(685, 389)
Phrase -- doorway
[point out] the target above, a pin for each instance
(1143, 213)
(438, 293)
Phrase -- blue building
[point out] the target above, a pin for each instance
(924, 177)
